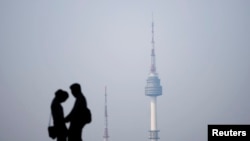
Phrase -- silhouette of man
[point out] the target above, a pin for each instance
(77, 116)
(58, 115)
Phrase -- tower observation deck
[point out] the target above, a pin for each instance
(153, 89)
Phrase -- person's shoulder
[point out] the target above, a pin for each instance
(55, 104)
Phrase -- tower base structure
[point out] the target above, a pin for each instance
(153, 135)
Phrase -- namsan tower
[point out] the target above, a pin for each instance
(106, 135)
(153, 89)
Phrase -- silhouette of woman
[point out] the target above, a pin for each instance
(58, 115)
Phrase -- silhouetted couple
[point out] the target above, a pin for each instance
(79, 116)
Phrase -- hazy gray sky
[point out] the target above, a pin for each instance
(203, 61)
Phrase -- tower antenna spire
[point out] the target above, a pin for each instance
(153, 64)
(106, 135)
(153, 40)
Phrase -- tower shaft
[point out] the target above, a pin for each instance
(153, 132)
(153, 114)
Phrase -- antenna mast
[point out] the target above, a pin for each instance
(106, 136)
(153, 65)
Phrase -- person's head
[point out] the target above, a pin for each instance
(61, 95)
(75, 89)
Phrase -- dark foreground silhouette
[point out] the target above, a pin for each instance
(58, 115)
(79, 116)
